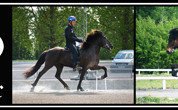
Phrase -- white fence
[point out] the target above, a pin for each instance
(124, 72)
(139, 70)
(158, 78)
(114, 70)
(112, 67)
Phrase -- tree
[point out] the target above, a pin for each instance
(118, 25)
(21, 43)
(44, 27)
(152, 35)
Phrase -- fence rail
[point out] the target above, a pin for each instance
(139, 70)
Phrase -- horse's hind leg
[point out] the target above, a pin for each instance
(174, 73)
(38, 77)
(58, 76)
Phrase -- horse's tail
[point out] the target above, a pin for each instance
(35, 68)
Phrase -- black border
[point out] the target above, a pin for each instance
(6, 57)
(134, 55)
(89, 1)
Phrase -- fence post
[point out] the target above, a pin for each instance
(96, 80)
(138, 72)
(105, 84)
(164, 84)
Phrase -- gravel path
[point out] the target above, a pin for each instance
(74, 97)
(171, 93)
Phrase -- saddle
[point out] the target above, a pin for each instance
(78, 51)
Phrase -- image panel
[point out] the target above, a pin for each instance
(156, 54)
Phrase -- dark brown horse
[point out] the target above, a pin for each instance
(172, 45)
(59, 57)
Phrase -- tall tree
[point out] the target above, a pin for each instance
(45, 25)
(21, 42)
(152, 33)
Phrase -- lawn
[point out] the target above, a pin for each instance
(156, 100)
(156, 84)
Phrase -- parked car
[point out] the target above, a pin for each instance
(123, 60)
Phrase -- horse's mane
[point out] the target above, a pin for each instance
(93, 36)
(173, 33)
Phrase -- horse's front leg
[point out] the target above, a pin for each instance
(174, 73)
(101, 67)
(79, 87)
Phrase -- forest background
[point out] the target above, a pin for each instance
(39, 28)
(153, 24)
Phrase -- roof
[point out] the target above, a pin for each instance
(126, 51)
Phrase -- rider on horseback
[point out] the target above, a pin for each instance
(70, 42)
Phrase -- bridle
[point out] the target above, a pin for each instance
(172, 50)
(173, 35)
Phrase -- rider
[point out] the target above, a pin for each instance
(70, 41)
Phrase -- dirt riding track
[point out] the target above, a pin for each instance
(74, 97)
(116, 89)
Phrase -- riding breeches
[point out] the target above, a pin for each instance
(74, 54)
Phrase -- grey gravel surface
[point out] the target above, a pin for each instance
(74, 97)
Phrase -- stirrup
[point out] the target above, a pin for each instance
(78, 68)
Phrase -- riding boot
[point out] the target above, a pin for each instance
(78, 67)
(78, 63)
(74, 66)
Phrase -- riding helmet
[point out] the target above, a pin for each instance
(71, 18)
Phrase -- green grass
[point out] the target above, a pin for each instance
(156, 84)
(156, 100)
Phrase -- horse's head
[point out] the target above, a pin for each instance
(102, 40)
(173, 41)
(96, 37)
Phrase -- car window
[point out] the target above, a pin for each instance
(129, 56)
(120, 56)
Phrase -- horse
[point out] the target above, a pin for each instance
(60, 57)
(172, 45)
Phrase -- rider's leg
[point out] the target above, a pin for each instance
(74, 54)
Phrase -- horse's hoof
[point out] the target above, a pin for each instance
(32, 90)
(102, 77)
(80, 89)
(175, 74)
(67, 88)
